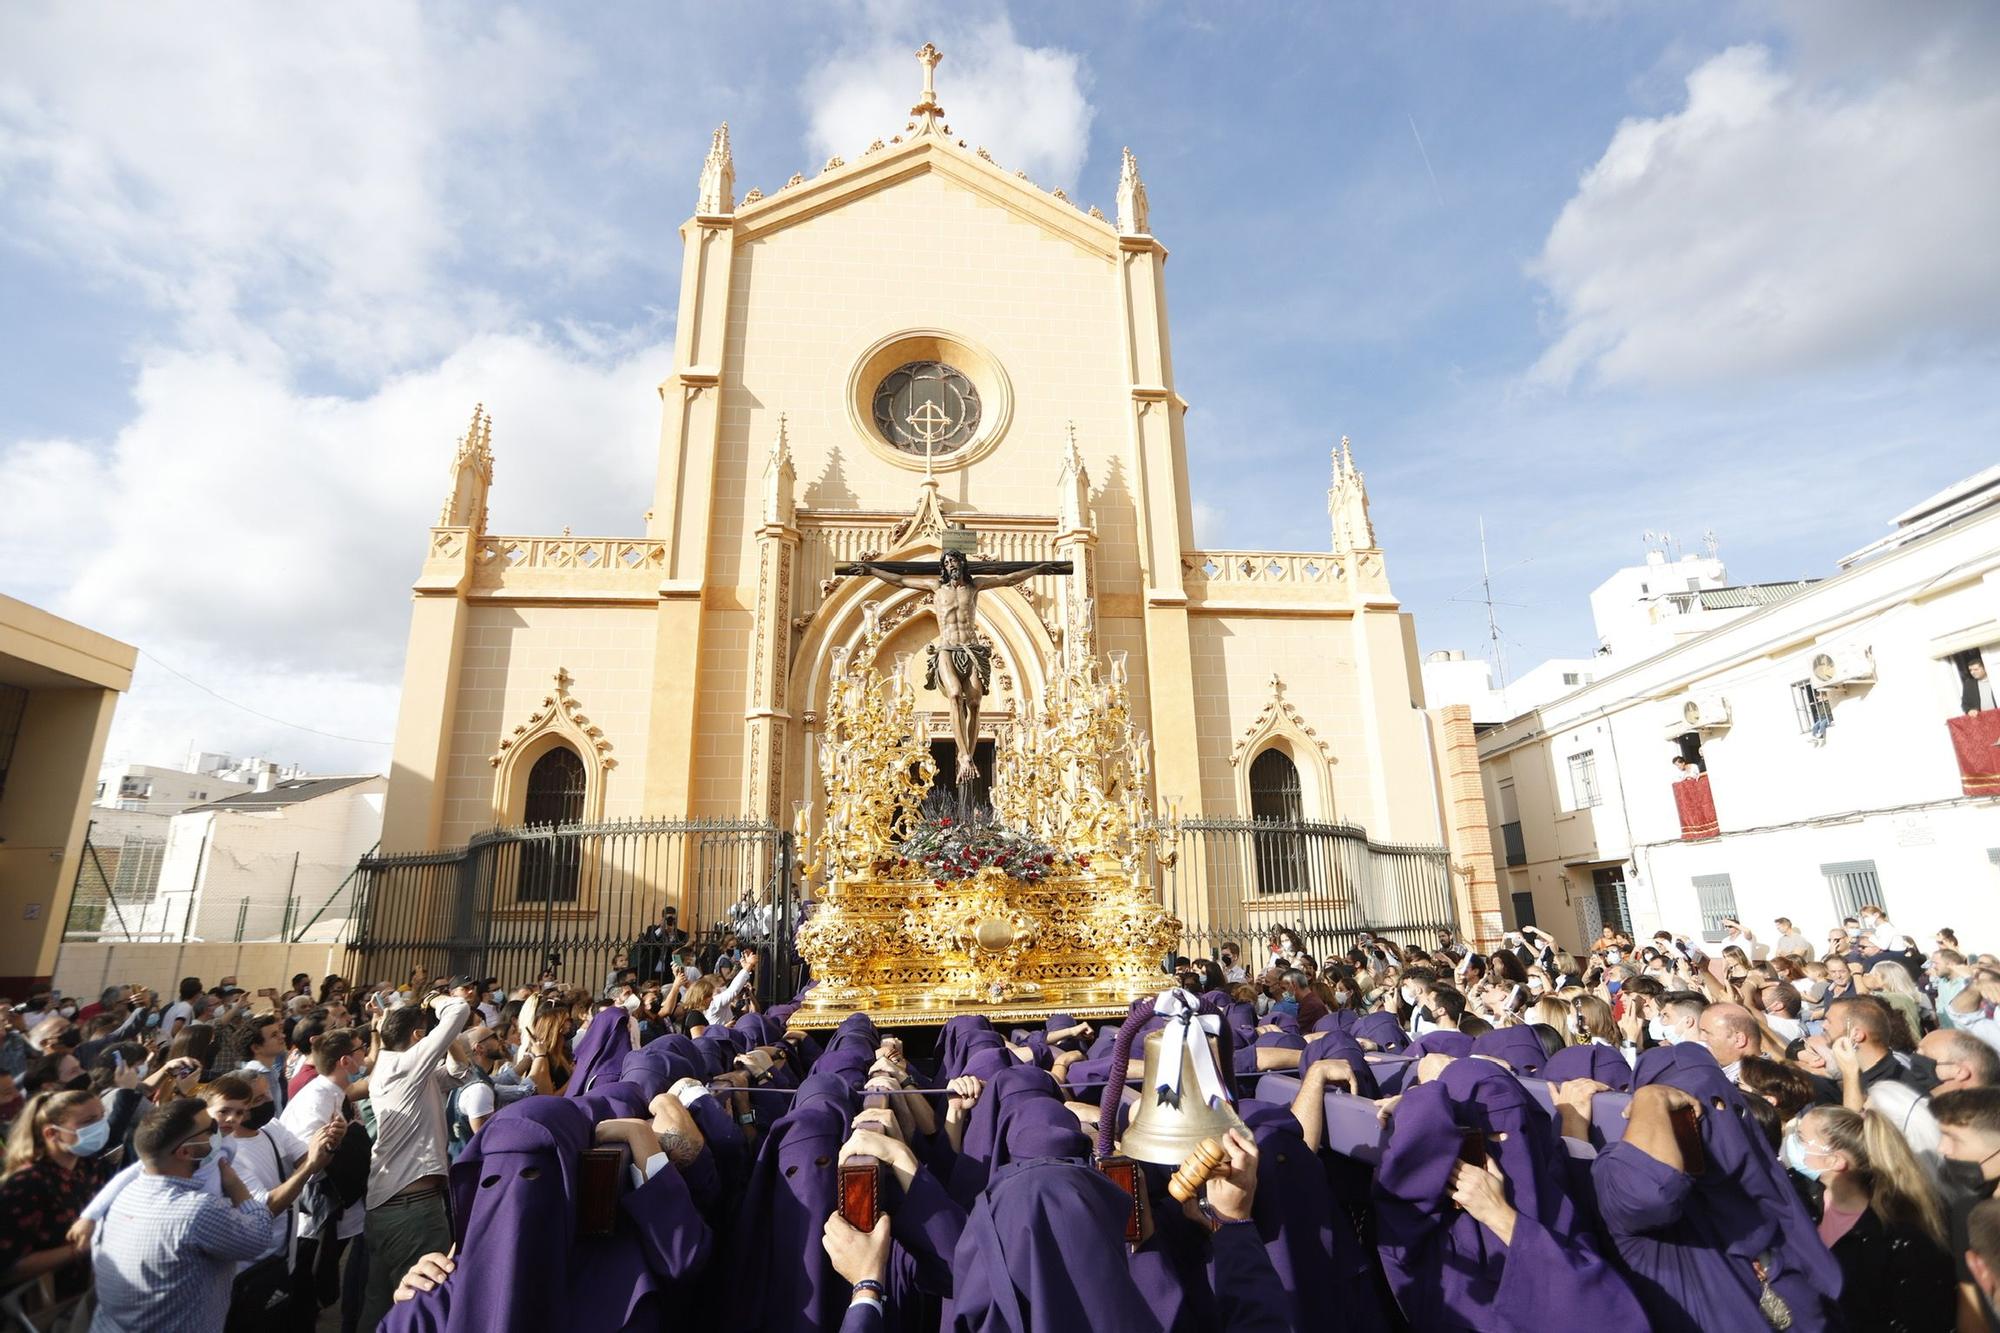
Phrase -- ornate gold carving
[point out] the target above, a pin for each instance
(1072, 773)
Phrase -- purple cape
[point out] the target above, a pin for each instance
(1444, 1041)
(1446, 1269)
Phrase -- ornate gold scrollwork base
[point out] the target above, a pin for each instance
(919, 952)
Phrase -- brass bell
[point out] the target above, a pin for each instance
(1165, 1134)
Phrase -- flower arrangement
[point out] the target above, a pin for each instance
(944, 848)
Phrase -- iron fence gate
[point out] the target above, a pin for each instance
(1239, 879)
(575, 901)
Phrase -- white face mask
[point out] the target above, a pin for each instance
(1657, 1031)
(631, 1003)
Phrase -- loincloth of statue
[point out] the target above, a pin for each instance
(972, 661)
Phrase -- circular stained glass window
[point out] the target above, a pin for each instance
(926, 407)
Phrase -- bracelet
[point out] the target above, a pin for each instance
(872, 1286)
(747, 1118)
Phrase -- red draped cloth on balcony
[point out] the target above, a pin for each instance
(1974, 740)
(1697, 806)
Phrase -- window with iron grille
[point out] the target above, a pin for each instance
(1583, 780)
(1277, 799)
(551, 868)
(1814, 709)
(1718, 900)
(1853, 885)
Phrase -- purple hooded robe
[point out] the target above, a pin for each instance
(515, 1191)
(1519, 1047)
(601, 1053)
(1602, 1063)
(1447, 1270)
(1690, 1243)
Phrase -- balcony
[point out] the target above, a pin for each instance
(1517, 846)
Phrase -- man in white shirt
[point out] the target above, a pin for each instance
(341, 1060)
(181, 1012)
(407, 1212)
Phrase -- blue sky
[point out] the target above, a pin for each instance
(1580, 269)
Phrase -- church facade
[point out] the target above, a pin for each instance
(913, 340)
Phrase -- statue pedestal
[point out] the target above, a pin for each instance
(916, 952)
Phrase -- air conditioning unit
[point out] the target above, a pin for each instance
(1843, 668)
(1704, 712)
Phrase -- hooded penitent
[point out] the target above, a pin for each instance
(1448, 1270)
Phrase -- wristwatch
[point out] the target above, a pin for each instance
(1216, 1221)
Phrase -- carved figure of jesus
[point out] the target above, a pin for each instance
(959, 666)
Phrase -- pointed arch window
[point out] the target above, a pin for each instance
(1277, 807)
(549, 866)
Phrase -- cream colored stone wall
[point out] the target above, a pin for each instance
(808, 300)
(511, 656)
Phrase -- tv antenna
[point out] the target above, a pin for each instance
(1492, 623)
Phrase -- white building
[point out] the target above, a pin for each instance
(265, 865)
(1639, 611)
(1828, 718)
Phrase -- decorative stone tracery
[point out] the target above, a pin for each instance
(558, 720)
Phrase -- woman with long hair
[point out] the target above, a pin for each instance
(1591, 1021)
(1890, 982)
(197, 1041)
(56, 1160)
(547, 1048)
(1881, 1219)
(333, 987)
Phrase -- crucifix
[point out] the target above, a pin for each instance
(959, 666)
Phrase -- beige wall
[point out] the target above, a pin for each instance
(73, 677)
(86, 969)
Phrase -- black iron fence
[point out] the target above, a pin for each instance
(576, 901)
(1239, 879)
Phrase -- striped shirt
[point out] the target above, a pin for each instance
(166, 1256)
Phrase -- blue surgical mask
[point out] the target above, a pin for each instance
(1795, 1157)
(92, 1138)
(1288, 1005)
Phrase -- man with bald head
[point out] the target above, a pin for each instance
(1958, 1060)
(1730, 1032)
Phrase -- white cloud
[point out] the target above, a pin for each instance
(1787, 220)
(280, 182)
(263, 540)
(1024, 104)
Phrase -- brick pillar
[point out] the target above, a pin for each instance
(1468, 839)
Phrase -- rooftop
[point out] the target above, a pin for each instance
(295, 791)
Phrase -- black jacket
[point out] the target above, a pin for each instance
(1895, 1279)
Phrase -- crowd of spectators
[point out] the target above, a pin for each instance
(1672, 1133)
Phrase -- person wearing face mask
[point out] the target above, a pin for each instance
(167, 1253)
(339, 1062)
(55, 1163)
(1969, 1143)
(1879, 1216)
(1676, 1018)
(1730, 1032)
